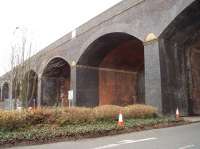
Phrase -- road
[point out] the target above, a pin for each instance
(181, 137)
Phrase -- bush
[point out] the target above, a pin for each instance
(139, 111)
(106, 112)
(77, 115)
(12, 120)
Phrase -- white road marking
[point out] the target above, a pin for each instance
(136, 141)
(123, 142)
(188, 146)
(107, 146)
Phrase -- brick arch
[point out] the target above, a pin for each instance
(111, 71)
(179, 55)
(45, 62)
(5, 90)
(121, 27)
(176, 11)
(56, 82)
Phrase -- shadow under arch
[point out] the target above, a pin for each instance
(5, 91)
(180, 55)
(29, 89)
(111, 71)
(55, 83)
(113, 28)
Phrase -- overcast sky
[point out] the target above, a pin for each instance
(44, 21)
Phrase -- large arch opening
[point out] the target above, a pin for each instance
(180, 62)
(56, 83)
(111, 71)
(29, 89)
(5, 91)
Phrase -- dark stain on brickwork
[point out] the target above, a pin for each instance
(179, 71)
(195, 78)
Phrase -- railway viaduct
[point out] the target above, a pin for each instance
(138, 51)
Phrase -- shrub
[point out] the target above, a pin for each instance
(77, 115)
(139, 111)
(40, 116)
(106, 112)
(12, 120)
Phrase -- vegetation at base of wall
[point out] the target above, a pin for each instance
(45, 133)
(14, 120)
(52, 124)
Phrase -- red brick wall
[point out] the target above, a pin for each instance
(118, 88)
(118, 74)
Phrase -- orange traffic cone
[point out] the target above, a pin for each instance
(120, 120)
(177, 114)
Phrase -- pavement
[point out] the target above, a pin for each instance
(192, 119)
(180, 137)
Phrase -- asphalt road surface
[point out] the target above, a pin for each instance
(181, 137)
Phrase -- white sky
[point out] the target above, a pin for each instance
(45, 20)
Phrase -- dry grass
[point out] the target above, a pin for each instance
(139, 111)
(77, 115)
(106, 112)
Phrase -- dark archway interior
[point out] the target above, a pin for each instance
(180, 62)
(111, 71)
(56, 83)
(15, 89)
(5, 91)
(30, 88)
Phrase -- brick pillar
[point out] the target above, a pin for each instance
(153, 94)
(73, 83)
(39, 90)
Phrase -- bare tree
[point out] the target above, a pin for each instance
(20, 67)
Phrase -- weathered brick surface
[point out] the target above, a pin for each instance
(118, 88)
(195, 66)
(177, 71)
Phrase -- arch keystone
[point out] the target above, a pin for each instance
(150, 37)
(73, 63)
